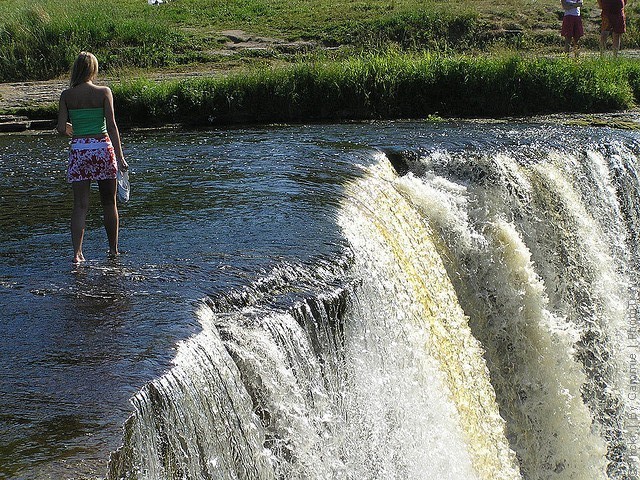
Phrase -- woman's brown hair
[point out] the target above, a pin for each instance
(85, 68)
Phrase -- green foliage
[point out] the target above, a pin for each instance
(46, 111)
(386, 86)
(40, 38)
(412, 47)
(37, 45)
(631, 39)
(430, 28)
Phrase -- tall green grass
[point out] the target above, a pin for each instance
(429, 28)
(39, 39)
(38, 45)
(384, 87)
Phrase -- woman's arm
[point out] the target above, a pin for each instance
(112, 129)
(64, 127)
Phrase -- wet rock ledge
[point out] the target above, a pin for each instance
(18, 123)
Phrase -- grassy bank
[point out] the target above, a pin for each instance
(383, 87)
(39, 42)
(40, 39)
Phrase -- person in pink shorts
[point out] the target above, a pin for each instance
(572, 29)
(614, 22)
(86, 115)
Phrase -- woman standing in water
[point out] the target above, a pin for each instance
(86, 115)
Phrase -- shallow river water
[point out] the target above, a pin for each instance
(215, 216)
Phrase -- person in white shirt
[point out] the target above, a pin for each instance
(572, 29)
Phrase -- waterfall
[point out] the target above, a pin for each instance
(403, 274)
(541, 247)
(196, 421)
(478, 327)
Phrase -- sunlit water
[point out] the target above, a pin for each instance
(428, 326)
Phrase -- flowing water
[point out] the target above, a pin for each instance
(392, 300)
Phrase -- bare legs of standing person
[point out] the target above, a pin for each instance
(603, 41)
(571, 44)
(79, 215)
(108, 190)
(617, 38)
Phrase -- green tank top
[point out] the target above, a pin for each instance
(88, 121)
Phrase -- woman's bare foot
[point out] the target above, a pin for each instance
(79, 258)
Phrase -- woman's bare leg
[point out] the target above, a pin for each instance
(108, 189)
(617, 37)
(603, 41)
(79, 216)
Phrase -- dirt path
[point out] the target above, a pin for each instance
(23, 94)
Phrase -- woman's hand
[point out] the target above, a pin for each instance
(123, 165)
